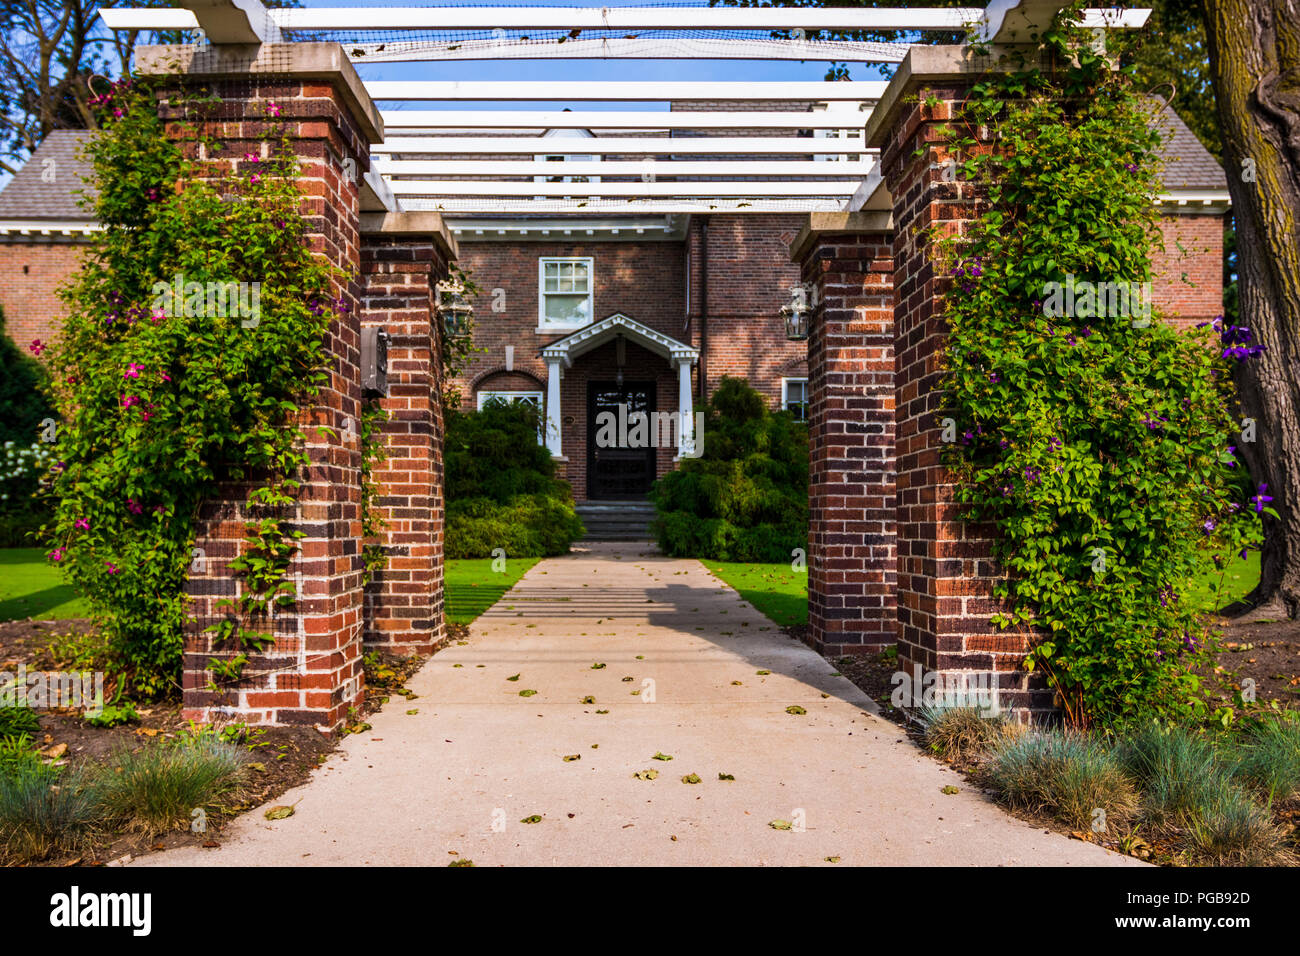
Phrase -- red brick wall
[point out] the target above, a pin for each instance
(312, 674)
(750, 276)
(852, 557)
(30, 274)
(1187, 274)
(945, 575)
(404, 601)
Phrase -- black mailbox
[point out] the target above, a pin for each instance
(374, 361)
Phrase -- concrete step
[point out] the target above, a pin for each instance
(616, 520)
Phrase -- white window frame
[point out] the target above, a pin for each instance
(785, 395)
(486, 396)
(512, 394)
(545, 325)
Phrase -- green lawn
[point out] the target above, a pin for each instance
(30, 587)
(778, 591)
(472, 586)
(1233, 583)
(782, 594)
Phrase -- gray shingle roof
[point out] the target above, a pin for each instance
(1188, 164)
(28, 196)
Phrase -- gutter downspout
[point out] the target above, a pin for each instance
(704, 309)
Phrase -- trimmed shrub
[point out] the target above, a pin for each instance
(746, 497)
(23, 403)
(501, 487)
(1068, 776)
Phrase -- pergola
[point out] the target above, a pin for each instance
(708, 147)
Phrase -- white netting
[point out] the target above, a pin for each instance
(856, 46)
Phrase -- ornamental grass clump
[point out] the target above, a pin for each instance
(160, 787)
(46, 813)
(962, 734)
(1067, 776)
(1268, 760)
(1178, 770)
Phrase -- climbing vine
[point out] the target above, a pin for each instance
(373, 556)
(1098, 438)
(194, 336)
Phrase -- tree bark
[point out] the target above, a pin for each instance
(1254, 48)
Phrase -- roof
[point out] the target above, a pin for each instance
(48, 184)
(1188, 164)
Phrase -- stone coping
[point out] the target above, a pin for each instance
(429, 224)
(324, 61)
(838, 223)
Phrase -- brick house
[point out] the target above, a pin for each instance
(668, 271)
(579, 314)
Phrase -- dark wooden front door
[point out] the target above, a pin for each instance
(615, 471)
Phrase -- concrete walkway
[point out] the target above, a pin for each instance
(686, 673)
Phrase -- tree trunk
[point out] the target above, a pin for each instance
(1254, 48)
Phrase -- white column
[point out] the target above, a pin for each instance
(685, 410)
(553, 407)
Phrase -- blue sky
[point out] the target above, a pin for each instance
(525, 71)
(592, 70)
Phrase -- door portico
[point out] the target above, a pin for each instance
(621, 331)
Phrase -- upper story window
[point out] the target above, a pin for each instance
(564, 293)
(564, 159)
(794, 397)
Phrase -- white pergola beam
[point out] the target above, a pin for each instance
(745, 190)
(625, 18)
(617, 207)
(630, 47)
(618, 119)
(360, 19)
(621, 91)
(637, 168)
(629, 146)
(136, 18)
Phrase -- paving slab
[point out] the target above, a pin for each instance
(691, 671)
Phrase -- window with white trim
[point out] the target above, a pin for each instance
(564, 293)
(509, 398)
(534, 399)
(794, 397)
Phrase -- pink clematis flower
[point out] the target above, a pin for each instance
(129, 400)
(82, 524)
(134, 506)
(133, 370)
(57, 554)
(36, 347)
(112, 568)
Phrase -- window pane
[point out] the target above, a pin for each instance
(569, 309)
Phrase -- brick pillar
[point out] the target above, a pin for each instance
(945, 573)
(847, 270)
(403, 256)
(312, 673)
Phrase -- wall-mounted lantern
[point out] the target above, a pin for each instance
(452, 306)
(796, 314)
